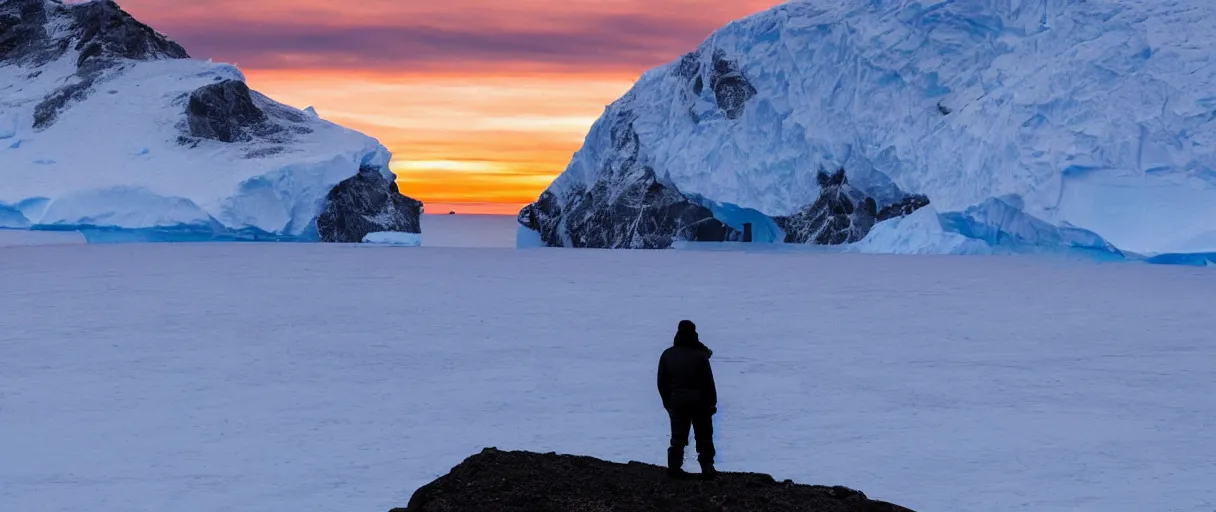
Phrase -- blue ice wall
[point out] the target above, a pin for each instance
(764, 228)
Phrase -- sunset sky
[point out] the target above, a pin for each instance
(480, 101)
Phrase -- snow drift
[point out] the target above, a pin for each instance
(109, 128)
(1026, 124)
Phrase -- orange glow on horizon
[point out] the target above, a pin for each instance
(481, 103)
(475, 144)
(511, 209)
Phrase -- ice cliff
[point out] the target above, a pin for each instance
(110, 128)
(1025, 124)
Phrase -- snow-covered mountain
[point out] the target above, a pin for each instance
(108, 127)
(1014, 124)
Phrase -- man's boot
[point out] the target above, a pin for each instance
(675, 462)
(707, 468)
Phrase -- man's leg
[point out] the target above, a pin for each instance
(703, 426)
(680, 425)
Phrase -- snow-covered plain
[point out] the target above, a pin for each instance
(469, 230)
(268, 377)
(11, 237)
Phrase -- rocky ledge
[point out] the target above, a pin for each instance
(500, 481)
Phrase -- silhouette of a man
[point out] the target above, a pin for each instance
(686, 385)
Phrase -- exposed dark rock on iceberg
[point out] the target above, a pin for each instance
(630, 208)
(100, 30)
(842, 214)
(106, 32)
(903, 207)
(501, 481)
(229, 111)
(223, 111)
(23, 34)
(647, 215)
(367, 203)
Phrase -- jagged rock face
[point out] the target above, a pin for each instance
(99, 30)
(629, 208)
(525, 481)
(658, 216)
(842, 214)
(367, 203)
(223, 111)
(22, 31)
(107, 32)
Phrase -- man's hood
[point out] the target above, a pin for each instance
(690, 339)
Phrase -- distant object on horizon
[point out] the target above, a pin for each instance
(453, 212)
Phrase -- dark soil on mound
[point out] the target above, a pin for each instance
(499, 481)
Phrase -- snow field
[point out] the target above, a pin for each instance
(201, 377)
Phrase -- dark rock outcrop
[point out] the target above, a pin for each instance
(903, 207)
(367, 202)
(229, 111)
(627, 208)
(842, 214)
(23, 35)
(223, 111)
(106, 32)
(502, 481)
(100, 30)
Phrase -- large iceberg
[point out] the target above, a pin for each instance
(109, 128)
(1027, 125)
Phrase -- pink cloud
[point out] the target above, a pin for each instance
(452, 35)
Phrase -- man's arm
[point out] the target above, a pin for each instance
(664, 387)
(711, 389)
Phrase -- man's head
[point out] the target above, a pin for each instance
(686, 336)
(687, 326)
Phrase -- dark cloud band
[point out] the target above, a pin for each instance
(613, 42)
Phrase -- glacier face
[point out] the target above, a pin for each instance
(108, 127)
(1095, 115)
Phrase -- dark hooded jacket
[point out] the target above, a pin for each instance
(686, 382)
